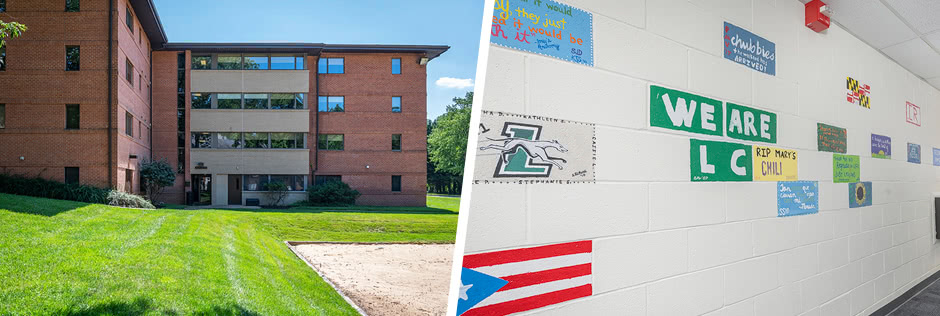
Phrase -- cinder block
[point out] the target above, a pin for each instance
(862, 297)
(629, 11)
(814, 165)
(833, 253)
(699, 292)
(701, 204)
(873, 266)
(860, 245)
(686, 23)
(617, 263)
(839, 306)
(560, 212)
(833, 196)
(750, 277)
(893, 258)
(625, 155)
(844, 222)
(640, 54)
(798, 263)
(505, 81)
(751, 200)
(884, 285)
(496, 223)
(715, 245)
(742, 308)
(628, 302)
(782, 301)
(719, 78)
(892, 213)
(776, 234)
(815, 228)
(799, 133)
(871, 217)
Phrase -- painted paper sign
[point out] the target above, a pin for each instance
(751, 124)
(858, 93)
(534, 277)
(746, 48)
(880, 146)
(775, 164)
(913, 114)
(913, 153)
(720, 161)
(936, 156)
(859, 194)
(845, 168)
(544, 27)
(674, 109)
(830, 138)
(797, 198)
(516, 148)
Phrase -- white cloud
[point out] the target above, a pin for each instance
(456, 83)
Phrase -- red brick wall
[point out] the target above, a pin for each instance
(164, 120)
(368, 123)
(133, 98)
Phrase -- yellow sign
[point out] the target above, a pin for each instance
(774, 164)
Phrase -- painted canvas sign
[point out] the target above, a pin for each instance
(797, 198)
(845, 168)
(830, 138)
(859, 194)
(720, 161)
(532, 277)
(544, 27)
(936, 156)
(516, 148)
(913, 114)
(775, 164)
(746, 48)
(880, 146)
(751, 124)
(913, 153)
(683, 111)
(858, 93)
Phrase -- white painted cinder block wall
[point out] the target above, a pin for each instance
(666, 246)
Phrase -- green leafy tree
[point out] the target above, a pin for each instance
(9, 30)
(276, 191)
(156, 175)
(447, 143)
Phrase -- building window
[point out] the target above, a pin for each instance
(72, 6)
(396, 142)
(202, 62)
(396, 183)
(318, 180)
(256, 100)
(72, 58)
(201, 140)
(71, 175)
(256, 62)
(129, 124)
(3, 5)
(129, 180)
(330, 142)
(256, 140)
(130, 18)
(331, 104)
(281, 101)
(229, 61)
(396, 66)
(229, 101)
(396, 104)
(181, 113)
(3, 56)
(287, 62)
(202, 101)
(129, 71)
(287, 140)
(331, 66)
(72, 116)
(256, 182)
(3, 116)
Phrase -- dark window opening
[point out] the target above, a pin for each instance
(3, 56)
(396, 142)
(72, 58)
(129, 124)
(71, 175)
(318, 180)
(330, 142)
(331, 66)
(129, 71)
(72, 116)
(3, 116)
(396, 183)
(72, 5)
(130, 19)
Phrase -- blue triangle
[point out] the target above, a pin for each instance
(481, 286)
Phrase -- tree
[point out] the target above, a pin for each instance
(156, 175)
(276, 192)
(9, 30)
(447, 143)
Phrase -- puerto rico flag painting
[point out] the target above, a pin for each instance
(518, 280)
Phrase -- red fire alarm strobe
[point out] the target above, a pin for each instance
(817, 15)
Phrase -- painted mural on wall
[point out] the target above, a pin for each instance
(516, 148)
(845, 168)
(880, 146)
(797, 198)
(775, 164)
(858, 93)
(544, 27)
(912, 114)
(517, 280)
(751, 124)
(683, 111)
(830, 138)
(746, 48)
(859, 194)
(719, 161)
(913, 153)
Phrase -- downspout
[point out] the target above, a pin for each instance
(110, 91)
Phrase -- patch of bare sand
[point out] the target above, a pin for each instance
(387, 279)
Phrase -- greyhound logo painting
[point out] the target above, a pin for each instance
(545, 150)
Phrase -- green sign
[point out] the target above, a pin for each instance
(830, 138)
(720, 161)
(746, 123)
(845, 168)
(683, 111)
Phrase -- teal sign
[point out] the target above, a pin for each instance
(751, 124)
(674, 109)
(720, 161)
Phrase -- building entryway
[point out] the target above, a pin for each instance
(202, 189)
(234, 189)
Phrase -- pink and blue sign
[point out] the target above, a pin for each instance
(746, 48)
(544, 27)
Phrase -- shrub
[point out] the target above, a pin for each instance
(156, 175)
(276, 192)
(44, 188)
(332, 193)
(124, 199)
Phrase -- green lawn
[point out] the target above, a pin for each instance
(70, 258)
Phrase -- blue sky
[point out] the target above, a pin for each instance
(455, 23)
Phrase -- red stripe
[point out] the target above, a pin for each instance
(531, 278)
(531, 302)
(525, 254)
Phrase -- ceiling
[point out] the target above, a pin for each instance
(907, 31)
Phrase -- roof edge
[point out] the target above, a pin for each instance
(150, 21)
(431, 51)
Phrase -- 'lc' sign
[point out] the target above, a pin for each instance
(913, 114)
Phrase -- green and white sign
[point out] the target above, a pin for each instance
(674, 109)
(720, 161)
(751, 124)
(845, 168)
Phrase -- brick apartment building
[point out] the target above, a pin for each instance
(94, 88)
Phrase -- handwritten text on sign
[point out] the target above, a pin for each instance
(880, 146)
(830, 138)
(913, 153)
(845, 168)
(544, 27)
(797, 198)
(774, 164)
(743, 47)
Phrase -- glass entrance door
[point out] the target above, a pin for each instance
(202, 189)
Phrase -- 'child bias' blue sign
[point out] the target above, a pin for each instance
(746, 48)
